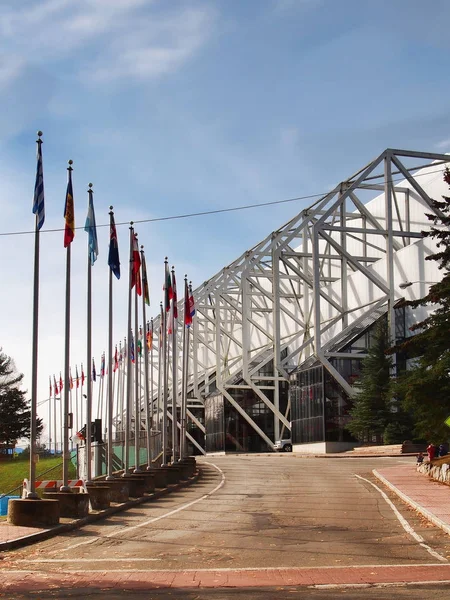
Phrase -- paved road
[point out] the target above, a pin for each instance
(251, 520)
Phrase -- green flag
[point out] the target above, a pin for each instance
(447, 421)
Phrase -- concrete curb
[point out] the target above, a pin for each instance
(420, 509)
(102, 514)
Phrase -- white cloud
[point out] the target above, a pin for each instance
(127, 38)
(443, 145)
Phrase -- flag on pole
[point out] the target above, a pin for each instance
(145, 280)
(174, 314)
(113, 256)
(49, 386)
(77, 378)
(135, 266)
(82, 375)
(38, 200)
(70, 379)
(94, 372)
(149, 335)
(174, 295)
(60, 382)
(55, 386)
(102, 366)
(116, 361)
(187, 310)
(69, 214)
(191, 302)
(132, 348)
(91, 228)
(139, 345)
(167, 287)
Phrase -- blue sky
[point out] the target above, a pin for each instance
(172, 107)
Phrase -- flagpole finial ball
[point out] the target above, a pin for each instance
(90, 184)
(70, 162)
(166, 258)
(40, 133)
(132, 223)
(111, 207)
(142, 247)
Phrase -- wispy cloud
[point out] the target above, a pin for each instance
(127, 38)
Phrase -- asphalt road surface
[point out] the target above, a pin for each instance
(247, 518)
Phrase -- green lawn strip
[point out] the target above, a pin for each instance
(13, 472)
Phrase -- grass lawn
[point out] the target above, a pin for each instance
(13, 472)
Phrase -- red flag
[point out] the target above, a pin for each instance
(149, 335)
(69, 229)
(175, 299)
(77, 378)
(60, 383)
(116, 361)
(167, 287)
(187, 310)
(56, 390)
(70, 380)
(82, 376)
(49, 386)
(135, 260)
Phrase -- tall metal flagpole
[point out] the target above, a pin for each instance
(90, 228)
(68, 238)
(137, 403)
(174, 370)
(114, 265)
(145, 300)
(39, 211)
(184, 371)
(129, 378)
(165, 362)
(160, 370)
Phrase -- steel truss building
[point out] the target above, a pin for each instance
(293, 307)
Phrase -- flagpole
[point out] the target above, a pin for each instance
(174, 372)
(50, 415)
(145, 343)
(38, 209)
(137, 406)
(184, 373)
(129, 381)
(165, 374)
(89, 384)
(69, 218)
(160, 371)
(151, 396)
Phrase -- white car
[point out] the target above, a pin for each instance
(283, 445)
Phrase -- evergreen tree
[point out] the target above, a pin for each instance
(15, 415)
(425, 389)
(372, 402)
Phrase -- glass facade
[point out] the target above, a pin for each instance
(228, 430)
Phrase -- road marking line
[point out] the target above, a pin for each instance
(164, 516)
(71, 560)
(404, 523)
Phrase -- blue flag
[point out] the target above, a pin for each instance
(91, 228)
(38, 201)
(113, 256)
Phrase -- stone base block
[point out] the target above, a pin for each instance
(71, 505)
(33, 513)
(118, 489)
(99, 496)
(136, 485)
(159, 476)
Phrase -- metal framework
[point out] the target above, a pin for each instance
(330, 270)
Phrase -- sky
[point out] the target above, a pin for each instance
(185, 106)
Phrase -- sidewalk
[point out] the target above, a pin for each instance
(429, 497)
(14, 536)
